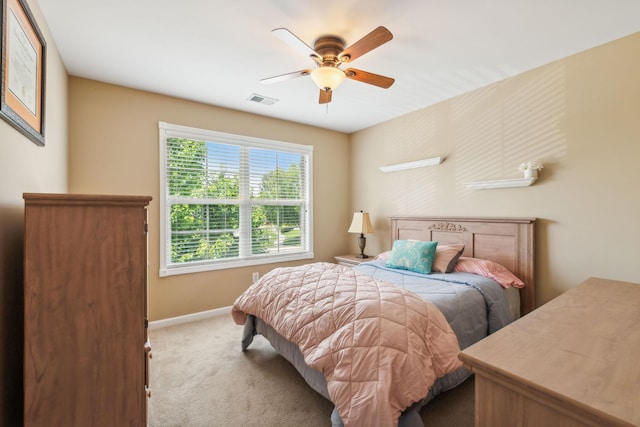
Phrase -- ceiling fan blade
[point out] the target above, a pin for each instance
(284, 77)
(371, 78)
(292, 40)
(375, 38)
(325, 96)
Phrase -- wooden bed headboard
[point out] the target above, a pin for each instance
(507, 241)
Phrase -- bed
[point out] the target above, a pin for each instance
(472, 305)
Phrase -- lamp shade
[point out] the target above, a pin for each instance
(327, 78)
(361, 223)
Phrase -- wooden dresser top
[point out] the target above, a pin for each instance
(581, 349)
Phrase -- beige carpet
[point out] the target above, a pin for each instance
(200, 377)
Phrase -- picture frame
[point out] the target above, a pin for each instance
(22, 73)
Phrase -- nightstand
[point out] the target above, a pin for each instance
(351, 260)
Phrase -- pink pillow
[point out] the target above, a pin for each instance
(489, 269)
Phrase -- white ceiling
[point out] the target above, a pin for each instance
(216, 51)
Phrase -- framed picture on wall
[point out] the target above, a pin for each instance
(23, 70)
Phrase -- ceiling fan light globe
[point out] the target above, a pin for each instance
(327, 78)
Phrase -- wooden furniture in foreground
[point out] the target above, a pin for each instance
(571, 362)
(85, 310)
(351, 260)
(507, 241)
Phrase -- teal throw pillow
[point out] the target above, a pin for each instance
(412, 255)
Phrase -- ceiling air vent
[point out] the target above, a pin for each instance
(260, 99)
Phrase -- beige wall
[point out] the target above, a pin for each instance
(113, 148)
(26, 167)
(579, 116)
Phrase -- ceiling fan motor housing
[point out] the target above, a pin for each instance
(329, 47)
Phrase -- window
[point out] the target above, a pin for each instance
(231, 201)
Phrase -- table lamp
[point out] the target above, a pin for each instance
(361, 224)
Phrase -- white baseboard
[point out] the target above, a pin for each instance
(172, 321)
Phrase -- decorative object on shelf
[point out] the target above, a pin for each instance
(361, 224)
(411, 165)
(530, 169)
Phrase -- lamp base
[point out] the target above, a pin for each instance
(362, 242)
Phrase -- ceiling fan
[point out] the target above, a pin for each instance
(329, 53)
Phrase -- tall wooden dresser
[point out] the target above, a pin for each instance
(85, 310)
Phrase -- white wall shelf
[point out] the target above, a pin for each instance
(501, 183)
(411, 165)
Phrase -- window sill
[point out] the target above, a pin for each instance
(200, 268)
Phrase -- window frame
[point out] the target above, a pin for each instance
(168, 130)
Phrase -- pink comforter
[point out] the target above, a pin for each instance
(379, 347)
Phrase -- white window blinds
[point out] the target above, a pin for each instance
(230, 201)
